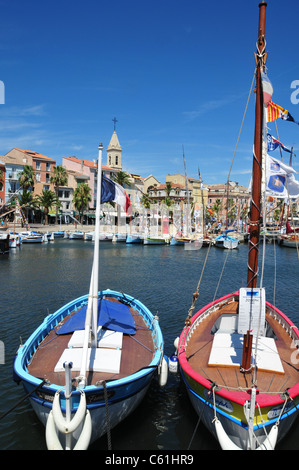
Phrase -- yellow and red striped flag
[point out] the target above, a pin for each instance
(274, 111)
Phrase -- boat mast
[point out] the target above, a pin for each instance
(255, 211)
(188, 198)
(91, 326)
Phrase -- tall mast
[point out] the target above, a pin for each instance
(255, 211)
(255, 215)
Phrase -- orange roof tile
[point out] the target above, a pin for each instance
(34, 154)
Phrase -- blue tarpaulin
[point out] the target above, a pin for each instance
(111, 315)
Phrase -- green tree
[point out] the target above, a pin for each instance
(46, 201)
(27, 178)
(26, 201)
(59, 178)
(81, 198)
(122, 178)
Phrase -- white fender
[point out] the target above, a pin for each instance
(270, 441)
(225, 442)
(163, 372)
(52, 440)
(176, 343)
(60, 420)
(85, 436)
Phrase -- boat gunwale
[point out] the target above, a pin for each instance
(27, 350)
(239, 397)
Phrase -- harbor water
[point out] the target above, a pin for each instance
(38, 279)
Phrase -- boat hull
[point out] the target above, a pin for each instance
(4, 243)
(228, 243)
(76, 235)
(33, 239)
(289, 241)
(236, 431)
(154, 241)
(124, 400)
(133, 239)
(227, 402)
(122, 395)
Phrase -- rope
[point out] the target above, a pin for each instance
(195, 295)
(200, 416)
(239, 135)
(220, 277)
(23, 399)
(107, 416)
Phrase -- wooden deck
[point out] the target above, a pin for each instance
(199, 348)
(137, 352)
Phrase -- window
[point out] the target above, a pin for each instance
(38, 165)
(48, 167)
(37, 177)
(47, 178)
(116, 160)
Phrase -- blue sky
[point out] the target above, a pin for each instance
(173, 73)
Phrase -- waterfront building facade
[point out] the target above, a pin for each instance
(228, 202)
(16, 159)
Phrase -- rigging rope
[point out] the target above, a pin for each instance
(246, 107)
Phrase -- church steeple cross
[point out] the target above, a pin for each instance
(115, 121)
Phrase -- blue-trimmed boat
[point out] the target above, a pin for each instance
(89, 364)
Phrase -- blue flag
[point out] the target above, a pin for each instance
(274, 143)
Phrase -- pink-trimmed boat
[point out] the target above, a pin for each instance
(238, 355)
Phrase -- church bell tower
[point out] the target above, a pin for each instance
(114, 151)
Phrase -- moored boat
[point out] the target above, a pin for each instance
(238, 354)
(89, 364)
(133, 238)
(226, 241)
(154, 240)
(4, 243)
(76, 235)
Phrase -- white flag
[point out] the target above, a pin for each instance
(280, 179)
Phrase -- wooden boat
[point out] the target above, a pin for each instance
(226, 241)
(32, 237)
(179, 241)
(4, 243)
(238, 354)
(119, 238)
(133, 238)
(291, 240)
(154, 240)
(76, 235)
(89, 364)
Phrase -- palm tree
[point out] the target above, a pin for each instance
(122, 178)
(26, 200)
(168, 188)
(81, 198)
(45, 201)
(27, 178)
(59, 178)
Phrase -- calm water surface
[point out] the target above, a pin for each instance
(36, 280)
